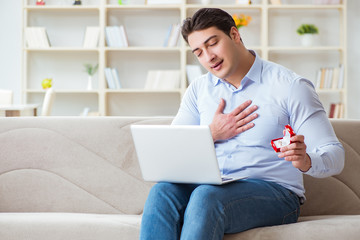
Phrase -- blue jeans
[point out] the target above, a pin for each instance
(207, 212)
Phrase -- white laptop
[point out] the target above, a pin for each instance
(178, 154)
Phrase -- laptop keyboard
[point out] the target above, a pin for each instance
(223, 178)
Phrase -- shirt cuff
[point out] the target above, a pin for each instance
(316, 165)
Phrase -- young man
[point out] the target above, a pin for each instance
(246, 101)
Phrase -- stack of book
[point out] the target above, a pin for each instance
(91, 38)
(336, 110)
(36, 37)
(112, 78)
(172, 36)
(116, 36)
(162, 80)
(330, 78)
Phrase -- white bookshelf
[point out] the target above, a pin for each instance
(271, 33)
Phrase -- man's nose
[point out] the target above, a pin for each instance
(210, 56)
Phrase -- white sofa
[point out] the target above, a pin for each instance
(78, 178)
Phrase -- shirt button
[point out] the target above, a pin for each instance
(229, 156)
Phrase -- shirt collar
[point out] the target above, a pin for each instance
(254, 73)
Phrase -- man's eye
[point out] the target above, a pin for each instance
(213, 43)
(198, 53)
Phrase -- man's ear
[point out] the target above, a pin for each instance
(235, 35)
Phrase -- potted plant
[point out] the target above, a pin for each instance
(307, 32)
(90, 70)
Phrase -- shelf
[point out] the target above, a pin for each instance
(144, 49)
(301, 49)
(305, 7)
(271, 33)
(225, 6)
(330, 91)
(62, 7)
(62, 49)
(75, 91)
(129, 90)
(144, 7)
(255, 48)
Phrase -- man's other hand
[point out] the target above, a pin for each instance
(226, 126)
(296, 153)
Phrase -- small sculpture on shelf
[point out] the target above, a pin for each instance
(46, 83)
(77, 2)
(40, 2)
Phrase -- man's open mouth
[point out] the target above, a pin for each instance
(217, 65)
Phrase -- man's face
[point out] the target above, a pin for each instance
(216, 51)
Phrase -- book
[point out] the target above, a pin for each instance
(36, 37)
(109, 78)
(341, 77)
(167, 37)
(336, 110)
(162, 80)
(44, 38)
(172, 36)
(124, 38)
(193, 72)
(335, 78)
(112, 78)
(116, 36)
(108, 37)
(332, 110)
(91, 38)
(318, 79)
(330, 78)
(115, 76)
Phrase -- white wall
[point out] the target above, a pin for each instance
(353, 59)
(10, 47)
(10, 52)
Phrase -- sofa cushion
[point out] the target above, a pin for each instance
(309, 228)
(60, 226)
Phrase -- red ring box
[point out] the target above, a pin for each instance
(284, 141)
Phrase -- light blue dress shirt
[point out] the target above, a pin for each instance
(282, 97)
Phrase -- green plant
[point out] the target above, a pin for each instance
(307, 29)
(91, 70)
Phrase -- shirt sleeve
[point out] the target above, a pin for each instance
(308, 118)
(188, 113)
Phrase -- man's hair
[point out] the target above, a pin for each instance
(205, 18)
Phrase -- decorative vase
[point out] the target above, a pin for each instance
(89, 84)
(307, 39)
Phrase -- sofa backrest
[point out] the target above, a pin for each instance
(338, 194)
(89, 165)
(71, 164)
